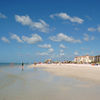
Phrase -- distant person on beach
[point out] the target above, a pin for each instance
(22, 66)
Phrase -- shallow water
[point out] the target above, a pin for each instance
(36, 84)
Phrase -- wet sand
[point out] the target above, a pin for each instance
(37, 83)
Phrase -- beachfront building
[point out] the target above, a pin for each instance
(84, 59)
(97, 58)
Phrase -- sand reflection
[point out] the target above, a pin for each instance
(36, 84)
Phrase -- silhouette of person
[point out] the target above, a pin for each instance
(22, 66)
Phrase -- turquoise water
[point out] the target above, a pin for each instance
(36, 84)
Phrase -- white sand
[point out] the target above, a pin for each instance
(79, 71)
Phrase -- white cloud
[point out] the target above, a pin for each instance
(45, 46)
(63, 37)
(50, 50)
(43, 54)
(33, 39)
(42, 26)
(65, 16)
(62, 46)
(76, 29)
(61, 54)
(2, 16)
(30, 40)
(24, 20)
(92, 37)
(98, 28)
(4, 39)
(87, 37)
(91, 29)
(16, 37)
(76, 53)
(61, 50)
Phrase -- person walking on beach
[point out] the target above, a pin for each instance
(22, 66)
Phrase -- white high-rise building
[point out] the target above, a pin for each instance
(84, 59)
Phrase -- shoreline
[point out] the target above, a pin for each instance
(83, 72)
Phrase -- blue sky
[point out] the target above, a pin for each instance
(35, 30)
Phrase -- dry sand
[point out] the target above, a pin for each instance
(83, 72)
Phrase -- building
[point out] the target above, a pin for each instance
(97, 58)
(84, 59)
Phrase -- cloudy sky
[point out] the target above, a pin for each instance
(35, 30)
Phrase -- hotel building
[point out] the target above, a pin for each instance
(84, 59)
(97, 58)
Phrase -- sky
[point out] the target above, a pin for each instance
(36, 30)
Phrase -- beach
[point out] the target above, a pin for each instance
(48, 82)
(83, 72)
